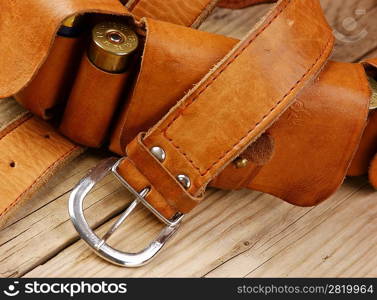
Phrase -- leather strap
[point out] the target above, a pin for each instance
(31, 151)
(311, 137)
(172, 81)
(291, 44)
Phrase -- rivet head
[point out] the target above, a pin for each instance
(241, 162)
(184, 180)
(159, 153)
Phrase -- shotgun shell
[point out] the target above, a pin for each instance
(111, 46)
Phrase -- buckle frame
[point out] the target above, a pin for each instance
(99, 245)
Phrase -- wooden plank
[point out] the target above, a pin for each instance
(230, 234)
(343, 243)
(371, 54)
(353, 22)
(9, 110)
(354, 26)
(335, 242)
(41, 233)
(234, 23)
(225, 226)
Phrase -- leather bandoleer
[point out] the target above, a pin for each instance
(272, 98)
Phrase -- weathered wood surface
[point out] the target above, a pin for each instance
(241, 233)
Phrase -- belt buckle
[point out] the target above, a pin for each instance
(98, 244)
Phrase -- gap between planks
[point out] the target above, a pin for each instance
(229, 235)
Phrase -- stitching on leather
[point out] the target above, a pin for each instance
(264, 117)
(33, 183)
(240, 51)
(204, 12)
(217, 75)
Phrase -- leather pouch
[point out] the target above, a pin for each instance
(52, 84)
(92, 104)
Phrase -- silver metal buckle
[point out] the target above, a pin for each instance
(98, 244)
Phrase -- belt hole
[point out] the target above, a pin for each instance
(46, 136)
(12, 164)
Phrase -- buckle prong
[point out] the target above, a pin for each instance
(98, 244)
(123, 217)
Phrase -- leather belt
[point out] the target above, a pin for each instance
(239, 122)
(263, 117)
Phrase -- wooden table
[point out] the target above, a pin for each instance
(231, 234)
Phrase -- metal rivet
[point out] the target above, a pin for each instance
(241, 162)
(184, 180)
(159, 153)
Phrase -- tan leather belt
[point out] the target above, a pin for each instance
(269, 112)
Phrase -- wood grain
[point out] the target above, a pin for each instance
(226, 227)
(353, 22)
(241, 233)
